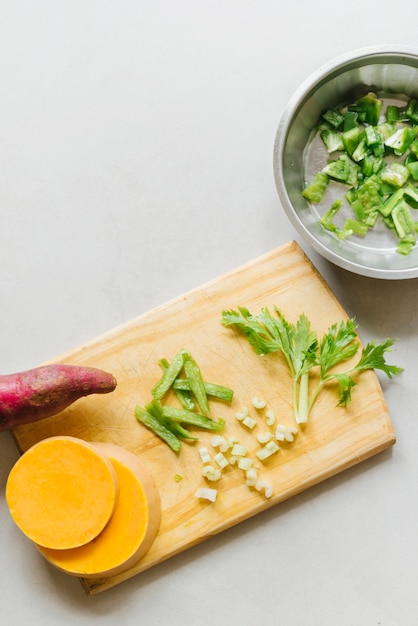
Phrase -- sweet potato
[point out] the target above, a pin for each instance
(45, 391)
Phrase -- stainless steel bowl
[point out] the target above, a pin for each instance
(390, 71)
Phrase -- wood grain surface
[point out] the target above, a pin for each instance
(333, 440)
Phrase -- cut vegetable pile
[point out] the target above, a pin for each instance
(183, 376)
(377, 162)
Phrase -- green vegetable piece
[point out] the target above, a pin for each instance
(386, 129)
(333, 117)
(401, 140)
(411, 111)
(192, 418)
(327, 222)
(413, 148)
(368, 108)
(183, 395)
(170, 375)
(338, 169)
(157, 428)
(350, 120)
(368, 194)
(361, 150)
(403, 220)
(315, 191)
(413, 169)
(389, 204)
(372, 135)
(155, 408)
(355, 227)
(395, 174)
(197, 386)
(332, 140)
(350, 139)
(394, 113)
(216, 391)
(405, 247)
(411, 195)
(371, 165)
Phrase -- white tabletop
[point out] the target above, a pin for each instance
(136, 143)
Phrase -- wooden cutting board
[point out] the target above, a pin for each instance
(333, 440)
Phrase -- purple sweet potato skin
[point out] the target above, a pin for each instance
(45, 391)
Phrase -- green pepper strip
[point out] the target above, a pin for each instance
(197, 386)
(194, 419)
(183, 394)
(212, 389)
(151, 422)
(170, 375)
(155, 408)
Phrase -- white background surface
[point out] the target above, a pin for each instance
(136, 145)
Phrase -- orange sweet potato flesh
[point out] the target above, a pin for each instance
(52, 492)
(47, 390)
(131, 530)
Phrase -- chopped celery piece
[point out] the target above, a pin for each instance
(315, 191)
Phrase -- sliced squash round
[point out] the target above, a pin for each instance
(130, 531)
(62, 492)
